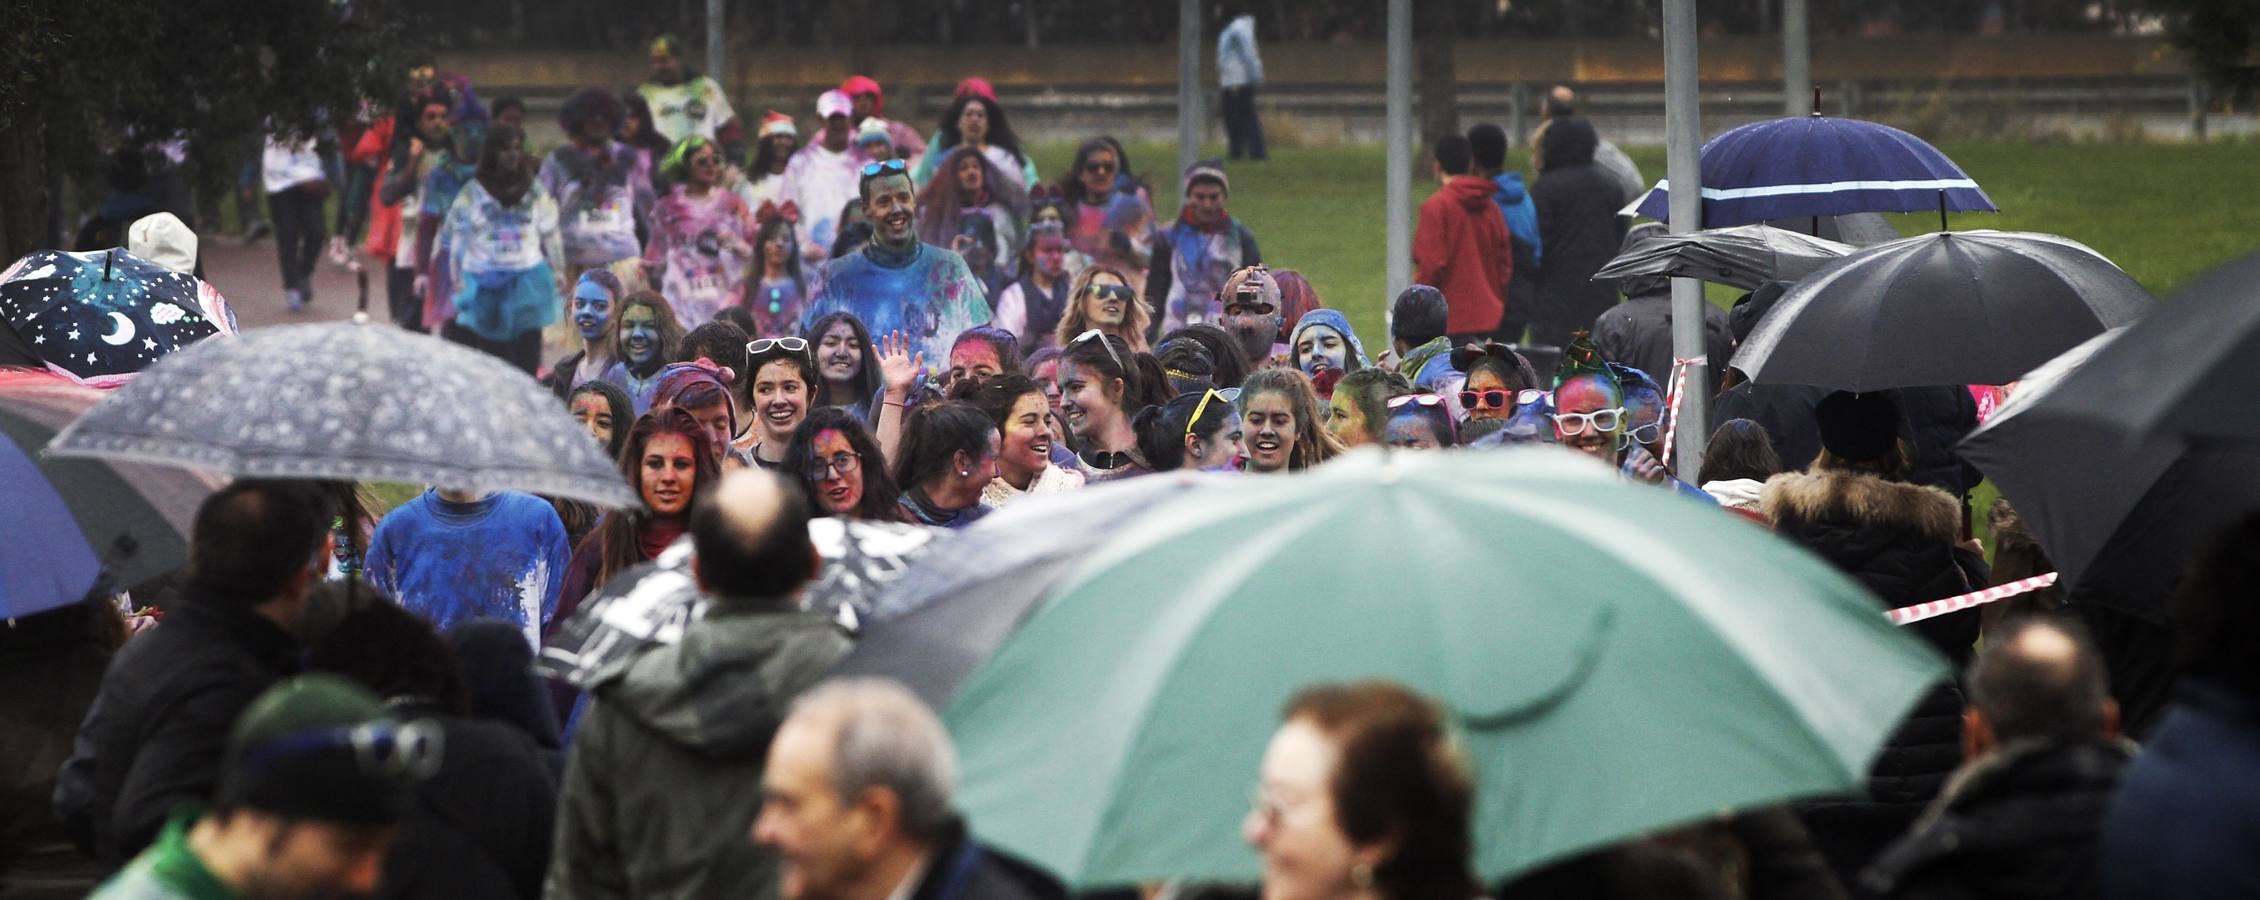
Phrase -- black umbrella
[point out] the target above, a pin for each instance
(1744, 256)
(350, 401)
(957, 606)
(2184, 370)
(97, 318)
(1970, 307)
(2120, 512)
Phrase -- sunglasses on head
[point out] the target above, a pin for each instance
(885, 165)
(1100, 336)
(787, 344)
(1403, 400)
(1228, 395)
(1500, 399)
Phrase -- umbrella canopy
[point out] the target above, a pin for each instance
(351, 401)
(1744, 256)
(2176, 371)
(2119, 511)
(98, 318)
(1611, 674)
(131, 517)
(1963, 307)
(652, 603)
(951, 612)
(45, 562)
(1818, 165)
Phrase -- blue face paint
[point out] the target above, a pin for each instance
(640, 335)
(592, 310)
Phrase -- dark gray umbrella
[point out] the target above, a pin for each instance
(2184, 370)
(1967, 307)
(1744, 256)
(350, 401)
(2120, 512)
(957, 606)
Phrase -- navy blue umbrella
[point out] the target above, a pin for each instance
(97, 318)
(1806, 166)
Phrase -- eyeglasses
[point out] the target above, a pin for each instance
(705, 160)
(1101, 337)
(383, 749)
(788, 344)
(1120, 292)
(1603, 420)
(1403, 400)
(884, 165)
(1228, 395)
(1647, 434)
(842, 462)
(1099, 168)
(1269, 808)
(1498, 399)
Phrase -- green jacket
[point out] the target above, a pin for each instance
(168, 870)
(665, 779)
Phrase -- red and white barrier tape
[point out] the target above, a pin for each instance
(1910, 614)
(1679, 369)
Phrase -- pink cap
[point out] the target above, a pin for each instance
(833, 103)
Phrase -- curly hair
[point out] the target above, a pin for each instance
(878, 503)
(591, 103)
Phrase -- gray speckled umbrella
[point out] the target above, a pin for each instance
(349, 401)
(1744, 256)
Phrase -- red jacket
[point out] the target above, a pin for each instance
(1462, 248)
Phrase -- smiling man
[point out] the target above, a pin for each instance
(895, 283)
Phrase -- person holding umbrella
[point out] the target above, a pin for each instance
(503, 253)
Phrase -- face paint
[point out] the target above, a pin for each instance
(1586, 396)
(1051, 256)
(1411, 431)
(1269, 420)
(1347, 420)
(1320, 348)
(592, 310)
(973, 360)
(639, 334)
(1220, 450)
(1644, 419)
(890, 203)
(839, 491)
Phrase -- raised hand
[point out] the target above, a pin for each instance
(898, 368)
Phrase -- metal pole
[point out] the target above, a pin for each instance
(1189, 118)
(1683, 126)
(1796, 59)
(1400, 143)
(714, 58)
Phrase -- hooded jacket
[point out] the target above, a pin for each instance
(2025, 821)
(665, 778)
(1463, 248)
(1334, 319)
(1577, 204)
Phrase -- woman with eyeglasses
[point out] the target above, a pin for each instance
(1420, 422)
(838, 464)
(1279, 413)
(1110, 225)
(1590, 417)
(1499, 380)
(1103, 299)
(1017, 404)
(948, 458)
(702, 236)
(1102, 386)
(783, 381)
(1362, 794)
(1196, 430)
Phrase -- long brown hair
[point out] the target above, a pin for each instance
(1313, 443)
(619, 536)
(1073, 321)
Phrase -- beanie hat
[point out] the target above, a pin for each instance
(163, 239)
(1858, 427)
(873, 130)
(321, 747)
(1207, 168)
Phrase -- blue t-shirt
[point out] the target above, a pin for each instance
(502, 557)
(928, 294)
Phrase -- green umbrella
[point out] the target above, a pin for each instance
(1617, 657)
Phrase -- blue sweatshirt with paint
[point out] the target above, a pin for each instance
(501, 557)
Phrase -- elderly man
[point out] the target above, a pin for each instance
(2023, 817)
(858, 804)
(666, 769)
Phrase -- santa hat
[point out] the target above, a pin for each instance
(776, 123)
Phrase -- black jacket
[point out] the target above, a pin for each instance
(961, 869)
(160, 724)
(1786, 410)
(1897, 540)
(480, 826)
(1937, 419)
(2183, 822)
(1577, 203)
(2024, 822)
(1637, 333)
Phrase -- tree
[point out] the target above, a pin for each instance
(2222, 38)
(82, 78)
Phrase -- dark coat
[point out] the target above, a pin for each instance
(480, 826)
(2186, 821)
(1897, 540)
(160, 724)
(1786, 410)
(1637, 333)
(962, 870)
(1913, 768)
(1580, 230)
(1937, 419)
(2023, 822)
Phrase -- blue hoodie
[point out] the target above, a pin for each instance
(1522, 215)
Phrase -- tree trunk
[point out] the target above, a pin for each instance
(1437, 98)
(25, 205)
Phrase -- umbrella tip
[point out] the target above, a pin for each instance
(361, 317)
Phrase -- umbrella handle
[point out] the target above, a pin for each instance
(361, 308)
(1942, 210)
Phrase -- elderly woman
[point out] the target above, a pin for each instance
(1362, 796)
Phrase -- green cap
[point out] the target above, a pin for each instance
(322, 747)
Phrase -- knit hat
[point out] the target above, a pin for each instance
(873, 130)
(833, 103)
(1207, 168)
(1858, 427)
(776, 123)
(162, 238)
(321, 747)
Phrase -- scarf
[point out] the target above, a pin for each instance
(656, 534)
(1223, 221)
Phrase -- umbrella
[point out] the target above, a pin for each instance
(651, 603)
(45, 563)
(2120, 511)
(97, 318)
(350, 401)
(1817, 165)
(2177, 371)
(1744, 256)
(132, 518)
(949, 614)
(1968, 307)
(1609, 673)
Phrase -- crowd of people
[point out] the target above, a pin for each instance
(889, 327)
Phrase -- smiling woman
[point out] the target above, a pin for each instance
(671, 461)
(1280, 419)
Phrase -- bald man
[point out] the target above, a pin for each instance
(2041, 757)
(1561, 101)
(665, 780)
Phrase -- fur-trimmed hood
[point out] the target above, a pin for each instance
(1861, 497)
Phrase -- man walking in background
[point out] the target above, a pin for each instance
(1239, 68)
(1461, 245)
